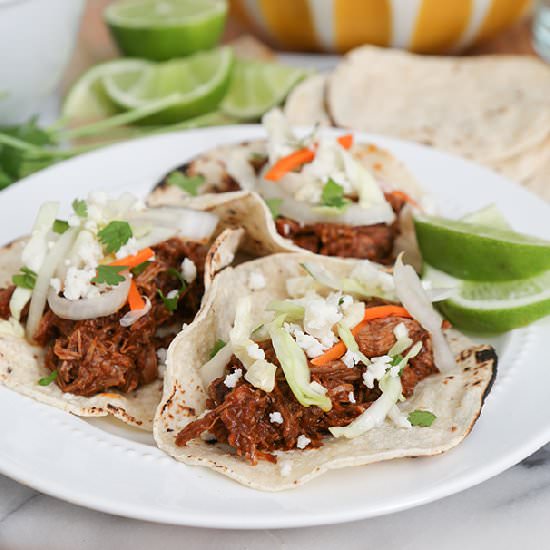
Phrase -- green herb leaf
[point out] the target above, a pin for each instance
(175, 273)
(218, 345)
(189, 184)
(5, 179)
(274, 206)
(396, 359)
(80, 208)
(26, 278)
(109, 274)
(115, 235)
(47, 380)
(171, 304)
(424, 419)
(60, 226)
(140, 268)
(333, 195)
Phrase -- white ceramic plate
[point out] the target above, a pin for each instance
(107, 466)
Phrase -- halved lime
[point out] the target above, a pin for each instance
(482, 306)
(87, 99)
(191, 86)
(479, 252)
(165, 29)
(258, 86)
(489, 215)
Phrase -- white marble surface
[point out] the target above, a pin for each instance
(507, 512)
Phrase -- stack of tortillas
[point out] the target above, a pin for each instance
(493, 110)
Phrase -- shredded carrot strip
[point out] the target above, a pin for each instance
(134, 297)
(405, 197)
(346, 141)
(378, 312)
(110, 395)
(288, 163)
(135, 260)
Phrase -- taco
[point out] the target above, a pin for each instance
(89, 304)
(321, 193)
(298, 364)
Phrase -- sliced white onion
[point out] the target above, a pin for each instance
(155, 236)
(192, 224)
(215, 368)
(40, 292)
(36, 249)
(90, 308)
(304, 212)
(414, 298)
(134, 315)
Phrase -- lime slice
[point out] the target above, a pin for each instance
(478, 252)
(481, 306)
(257, 86)
(164, 29)
(87, 99)
(190, 87)
(489, 215)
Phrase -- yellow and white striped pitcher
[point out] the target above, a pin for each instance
(424, 26)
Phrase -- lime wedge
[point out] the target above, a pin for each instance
(190, 87)
(479, 252)
(489, 215)
(258, 86)
(164, 29)
(481, 306)
(87, 99)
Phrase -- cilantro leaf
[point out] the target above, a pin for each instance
(218, 345)
(115, 235)
(109, 274)
(171, 304)
(5, 179)
(26, 278)
(424, 419)
(140, 268)
(60, 226)
(274, 206)
(175, 273)
(396, 359)
(80, 208)
(333, 195)
(189, 184)
(47, 380)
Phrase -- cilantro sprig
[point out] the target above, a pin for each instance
(115, 235)
(140, 268)
(189, 184)
(424, 419)
(60, 226)
(80, 208)
(26, 278)
(109, 274)
(47, 380)
(171, 299)
(332, 195)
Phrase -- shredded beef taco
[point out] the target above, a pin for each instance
(298, 364)
(320, 193)
(88, 305)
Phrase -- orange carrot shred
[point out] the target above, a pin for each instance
(133, 261)
(378, 312)
(346, 141)
(289, 163)
(134, 297)
(405, 197)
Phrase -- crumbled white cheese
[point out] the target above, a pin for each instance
(87, 251)
(172, 294)
(231, 379)
(350, 359)
(55, 284)
(372, 276)
(351, 397)
(74, 221)
(161, 355)
(131, 248)
(188, 270)
(302, 442)
(345, 302)
(276, 417)
(254, 351)
(400, 331)
(256, 280)
(90, 225)
(308, 343)
(78, 284)
(376, 370)
(319, 318)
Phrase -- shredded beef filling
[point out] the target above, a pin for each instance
(97, 355)
(240, 416)
(371, 242)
